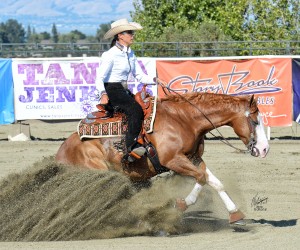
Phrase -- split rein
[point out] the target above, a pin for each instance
(251, 123)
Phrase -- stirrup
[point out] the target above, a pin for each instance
(137, 152)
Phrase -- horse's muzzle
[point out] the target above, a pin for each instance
(262, 153)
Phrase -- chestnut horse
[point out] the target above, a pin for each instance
(178, 136)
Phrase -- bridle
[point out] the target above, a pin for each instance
(251, 123)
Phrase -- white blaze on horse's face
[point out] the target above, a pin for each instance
(261, 146)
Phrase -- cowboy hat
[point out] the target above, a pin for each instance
(120, 26)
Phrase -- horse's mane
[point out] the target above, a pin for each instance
(208, 99)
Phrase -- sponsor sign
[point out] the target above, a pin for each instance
(268, 79)
(60, 89)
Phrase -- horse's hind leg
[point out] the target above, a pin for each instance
(235, 215)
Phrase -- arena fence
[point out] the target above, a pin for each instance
(153, 49)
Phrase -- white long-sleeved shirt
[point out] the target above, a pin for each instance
(117, 63)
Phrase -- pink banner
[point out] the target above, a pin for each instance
(268, 79)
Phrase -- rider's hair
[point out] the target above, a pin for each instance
(114, 40)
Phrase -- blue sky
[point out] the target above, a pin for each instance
(83, 15)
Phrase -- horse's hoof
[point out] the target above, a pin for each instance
(181, 204)
(235, 217)
(238, 223)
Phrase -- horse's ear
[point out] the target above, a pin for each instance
(252, 100)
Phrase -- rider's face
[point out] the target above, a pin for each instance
(126, 38)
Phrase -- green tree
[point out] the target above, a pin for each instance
(103, 28)
(54, 33)
(77, 35)
(34, 38)
(238, 19)
(3, 34)
(65, 38)
(12, 32)
(206, 40)
(28, 33)
(274, 20)
(45, 35)
(155, 15)
(72, 37)
(91, 39)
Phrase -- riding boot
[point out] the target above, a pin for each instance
(135, 151)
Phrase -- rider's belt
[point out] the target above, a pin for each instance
(124, 84)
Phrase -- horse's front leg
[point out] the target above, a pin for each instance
(235, 215)
(183, 166)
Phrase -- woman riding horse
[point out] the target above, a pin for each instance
(116, 65)
(178, 136)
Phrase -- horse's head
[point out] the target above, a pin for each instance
(250, 129)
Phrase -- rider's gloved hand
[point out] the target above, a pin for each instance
(96, 95)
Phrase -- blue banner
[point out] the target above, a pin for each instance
(296, 89)
(7, 114)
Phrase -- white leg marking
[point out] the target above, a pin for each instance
(231, 207)
(192, 197)
(215, 183)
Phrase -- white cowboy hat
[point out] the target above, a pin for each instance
(120, 26)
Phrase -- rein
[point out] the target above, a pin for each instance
(251, 123)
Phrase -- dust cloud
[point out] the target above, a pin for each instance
(51, 202)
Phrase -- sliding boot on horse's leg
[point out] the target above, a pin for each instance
(183, 204)
(235, 215)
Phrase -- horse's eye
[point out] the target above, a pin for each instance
(255, 121)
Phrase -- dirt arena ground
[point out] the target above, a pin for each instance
(49, 206)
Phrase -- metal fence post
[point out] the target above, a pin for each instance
(288, 48)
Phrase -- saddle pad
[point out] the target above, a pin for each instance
(114, 127)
